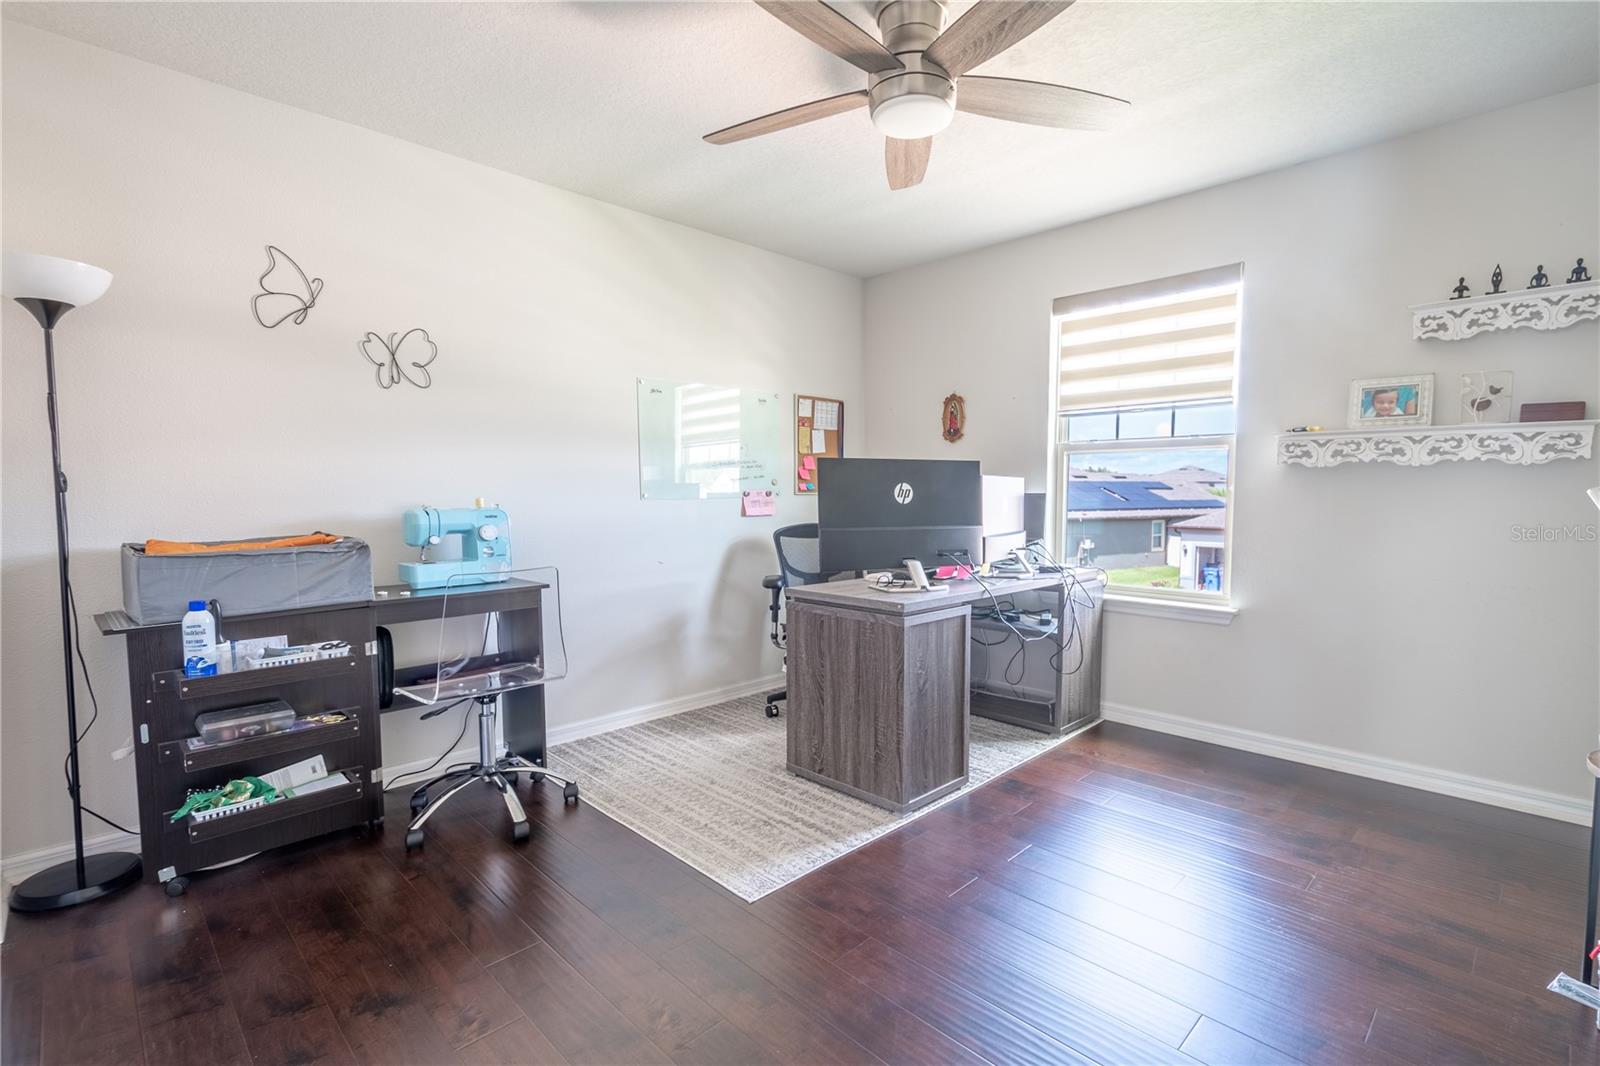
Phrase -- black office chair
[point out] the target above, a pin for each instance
(799, 564)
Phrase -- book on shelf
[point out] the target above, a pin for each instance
(321, 784)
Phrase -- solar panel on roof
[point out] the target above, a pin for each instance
(1131, 496)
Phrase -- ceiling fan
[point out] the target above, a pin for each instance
(917, 76)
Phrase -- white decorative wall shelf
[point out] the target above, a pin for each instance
(1552, 307)
(1517, 443)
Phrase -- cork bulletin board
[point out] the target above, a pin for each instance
(818, 434)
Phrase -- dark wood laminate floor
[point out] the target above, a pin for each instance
(1128, 898)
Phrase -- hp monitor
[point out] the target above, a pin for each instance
(873, 514)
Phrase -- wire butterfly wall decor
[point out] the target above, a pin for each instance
(285, 293)
(392, 354)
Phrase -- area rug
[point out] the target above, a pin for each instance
(709, 786)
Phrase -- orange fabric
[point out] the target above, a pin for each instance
(179, 547)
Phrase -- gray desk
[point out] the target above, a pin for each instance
(881, 684)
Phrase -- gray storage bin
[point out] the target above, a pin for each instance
(158, 588)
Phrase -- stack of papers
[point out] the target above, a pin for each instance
(304, 778)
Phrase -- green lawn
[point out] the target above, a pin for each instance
(1158, 577)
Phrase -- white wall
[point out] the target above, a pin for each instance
(1385, 610)
(546, 306)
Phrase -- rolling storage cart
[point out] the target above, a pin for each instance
(165, 703)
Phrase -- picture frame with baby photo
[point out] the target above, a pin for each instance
(1379, 403)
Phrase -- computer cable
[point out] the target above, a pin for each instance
(1076, 595)
(994, 600)
(448, 749)
(94, 703)
(1071, 601)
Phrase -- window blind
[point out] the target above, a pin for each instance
(707, 414)
(1162, 342)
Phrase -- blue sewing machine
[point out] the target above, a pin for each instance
(485, 545)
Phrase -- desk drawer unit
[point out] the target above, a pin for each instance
(878, 703)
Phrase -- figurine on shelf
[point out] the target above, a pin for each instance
(1579, 273)
(1539, 279)
(1495, 279)
(1461, 291)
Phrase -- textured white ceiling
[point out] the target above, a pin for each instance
(611, 99)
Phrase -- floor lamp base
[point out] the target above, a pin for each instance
(57, 886)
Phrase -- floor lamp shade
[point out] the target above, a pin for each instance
(25, 276)
(48, 287)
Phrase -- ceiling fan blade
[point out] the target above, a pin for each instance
(988, 28)
(1038, 103)
(822, 25)
(791, 116)
(907, 161)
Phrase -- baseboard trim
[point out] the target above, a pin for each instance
(1394, 771)
(25, 864)
(650, 711)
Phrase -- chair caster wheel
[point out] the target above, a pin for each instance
(570, 793)
(175, 887)
(772, 710)
(376, 823)
(519, 832)
(413, 839)
(536, 778)
(418, 801)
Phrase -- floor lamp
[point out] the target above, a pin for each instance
(49, 287)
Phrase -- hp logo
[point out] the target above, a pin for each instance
(902, 493)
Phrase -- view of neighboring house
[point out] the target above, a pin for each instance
(1162, 530)
(1195, 547)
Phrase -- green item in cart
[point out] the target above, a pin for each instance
(236, 791)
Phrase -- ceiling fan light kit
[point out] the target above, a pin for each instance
(916, 74)
(912, 115)
(919, 99)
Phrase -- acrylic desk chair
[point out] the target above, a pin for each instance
(507, 659)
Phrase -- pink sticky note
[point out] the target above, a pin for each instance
(808, 463)
(759, 504)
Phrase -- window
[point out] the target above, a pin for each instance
(1144, 432)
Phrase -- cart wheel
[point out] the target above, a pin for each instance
(570, 793)
(419, 800)
(772, 710)
(413, 839)
(376, 823)
(519, 832)
(175, 886)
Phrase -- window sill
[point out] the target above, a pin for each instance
(1215, 614)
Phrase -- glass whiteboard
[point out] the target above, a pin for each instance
(703, 442)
